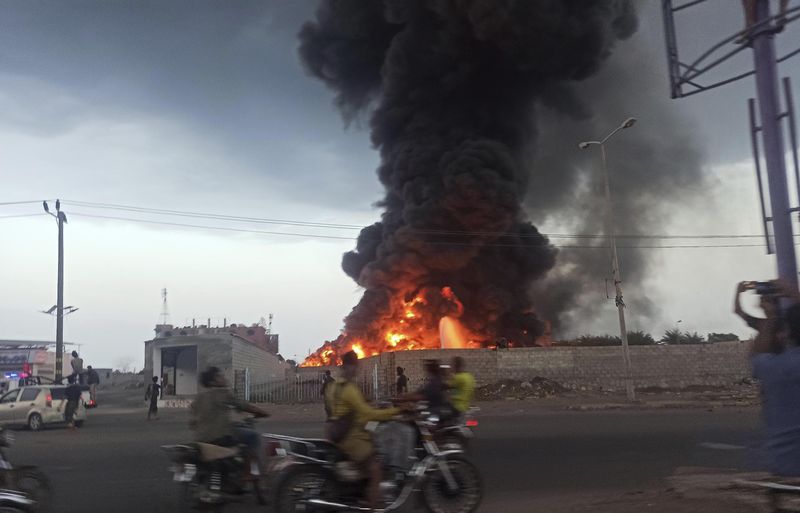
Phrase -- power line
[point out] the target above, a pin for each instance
(2, 204)
(223, 228)
(23, 215)
(203, 215)
(309, 224)
(435, 243)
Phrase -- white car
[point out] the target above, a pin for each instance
(38, 406)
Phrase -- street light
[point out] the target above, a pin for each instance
(610, 232)
(61, 219)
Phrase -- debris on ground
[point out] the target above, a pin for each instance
(515, 389)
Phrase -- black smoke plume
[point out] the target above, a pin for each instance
(655, 168)
(452, 88)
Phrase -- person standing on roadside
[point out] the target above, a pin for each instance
(152, 394)
(73, 396)
(769, 328)
(402, 381)
(93, 378)
(778, 373)
(327, 379)
(77, 365)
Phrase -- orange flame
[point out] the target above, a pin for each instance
(358, 350)
(429, 320)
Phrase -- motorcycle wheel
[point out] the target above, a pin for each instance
(186, 497)
(295, 487)
(35, 484)
(465, 499)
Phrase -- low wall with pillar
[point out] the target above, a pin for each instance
(669, 366)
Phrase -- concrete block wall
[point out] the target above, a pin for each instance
(263, 366)
(652, 366)
(602, 367)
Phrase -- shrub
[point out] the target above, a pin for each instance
(722, 337)
(640, 338)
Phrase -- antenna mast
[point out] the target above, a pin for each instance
(269, 326)
(164, 307)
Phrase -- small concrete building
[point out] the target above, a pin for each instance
(178, 356)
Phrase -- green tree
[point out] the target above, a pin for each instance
(672, 337)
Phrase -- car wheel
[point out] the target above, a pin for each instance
(35, 422)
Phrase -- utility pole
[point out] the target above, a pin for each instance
(61, 219)
(611, 233)
(690, 77)
(766, 68)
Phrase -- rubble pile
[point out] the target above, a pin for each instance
(514, 389)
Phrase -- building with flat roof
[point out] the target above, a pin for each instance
(243, 353)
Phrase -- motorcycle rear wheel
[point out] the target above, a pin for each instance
(466, 499)
(32, 482)
(300, 483)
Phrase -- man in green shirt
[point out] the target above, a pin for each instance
(463, 386)
(344, 398)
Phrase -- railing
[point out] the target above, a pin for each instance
(298, 391)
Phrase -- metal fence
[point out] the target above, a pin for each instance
(306, 390)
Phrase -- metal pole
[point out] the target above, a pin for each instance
(767, 90)
(610, 230)
(60, 300)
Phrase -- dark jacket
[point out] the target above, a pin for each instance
(73, 392)
(93, 378)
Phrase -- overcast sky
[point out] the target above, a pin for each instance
(203, 106)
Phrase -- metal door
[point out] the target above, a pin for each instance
(26, 402)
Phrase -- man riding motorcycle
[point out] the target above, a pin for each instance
(211, 417)
(345, 399)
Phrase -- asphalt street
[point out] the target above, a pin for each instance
(114, 463)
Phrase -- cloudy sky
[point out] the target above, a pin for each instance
(203, 106)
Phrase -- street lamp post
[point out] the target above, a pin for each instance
(610, 232)
(61, 219)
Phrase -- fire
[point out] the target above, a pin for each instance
(358, 350)
(394, 338)
(430, 319)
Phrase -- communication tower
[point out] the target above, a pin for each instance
(164, 307)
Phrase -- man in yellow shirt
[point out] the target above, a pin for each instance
(345, 398)
(463, 385)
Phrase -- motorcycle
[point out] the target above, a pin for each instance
(315, 476)
(211, 475)
(23, 488)
(458, 434)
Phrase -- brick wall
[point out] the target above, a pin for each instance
(662, 366)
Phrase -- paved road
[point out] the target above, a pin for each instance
(114, 463)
